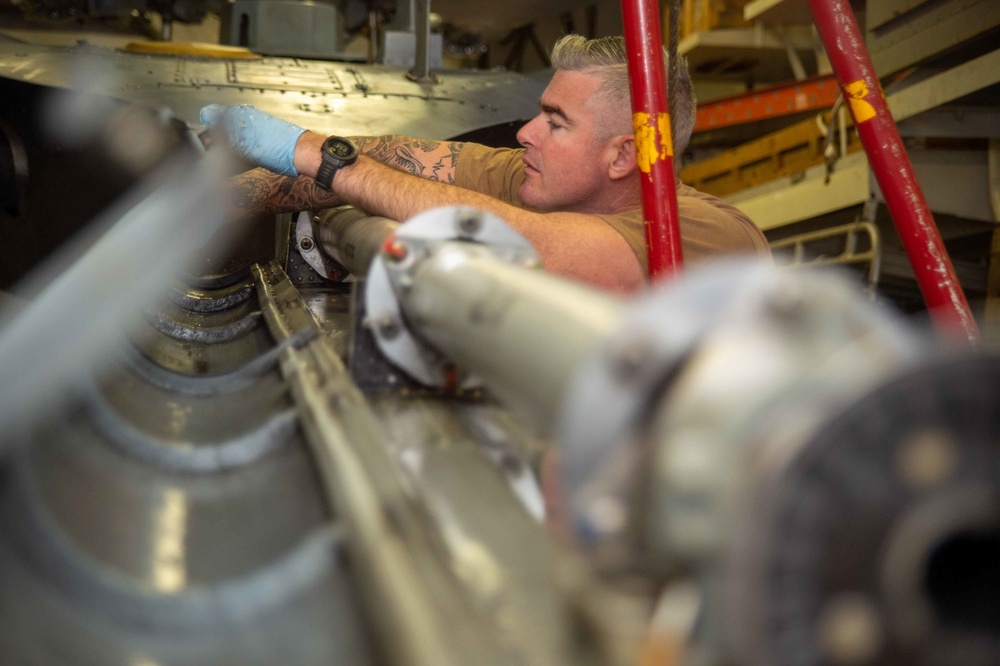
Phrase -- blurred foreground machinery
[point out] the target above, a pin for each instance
(811, 479)
(219, 448)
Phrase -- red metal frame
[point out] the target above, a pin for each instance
(654, 148)
(891, 165)
(773, 102)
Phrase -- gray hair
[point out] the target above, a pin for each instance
(605, 58)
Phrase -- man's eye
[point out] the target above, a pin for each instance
(553, 124)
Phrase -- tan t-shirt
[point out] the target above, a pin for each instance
(709, 226)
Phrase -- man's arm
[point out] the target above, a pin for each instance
(579, 246)
(262, 191)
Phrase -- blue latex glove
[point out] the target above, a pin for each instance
(260, 137)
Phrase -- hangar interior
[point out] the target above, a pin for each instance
(331, 437)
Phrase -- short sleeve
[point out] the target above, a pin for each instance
(497, 172)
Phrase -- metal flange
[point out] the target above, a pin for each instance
(392, 273)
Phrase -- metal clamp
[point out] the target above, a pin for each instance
(392, 273)
(305, 241)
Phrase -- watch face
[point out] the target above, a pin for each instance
(337, 152)
(340, 148)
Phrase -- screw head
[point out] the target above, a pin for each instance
(388, 326)
(306, 244)
(469, 223)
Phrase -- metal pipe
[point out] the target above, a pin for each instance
(891, 166)
(148, 236)
(421, 72)
(522, 331)
(653, 140)
(372, 36)
(347, 445)
(352, 237)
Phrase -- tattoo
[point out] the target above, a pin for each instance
(376, 147)
(448, 163)
(406, 161)
(426, 146)
(261, 191)
(421, 157)
(250, 194)
(438, 166)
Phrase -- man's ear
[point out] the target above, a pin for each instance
(622, 157)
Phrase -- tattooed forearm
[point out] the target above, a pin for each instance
(262, 191)
(421, 157)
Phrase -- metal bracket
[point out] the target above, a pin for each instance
(392, 273)
(305, 242)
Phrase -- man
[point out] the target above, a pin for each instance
(573, 191)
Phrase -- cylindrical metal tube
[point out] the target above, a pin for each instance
(421, 73)
(653, 139)
(352, 237)
(891, 165)
(523, 331)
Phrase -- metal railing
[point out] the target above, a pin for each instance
(854, 235)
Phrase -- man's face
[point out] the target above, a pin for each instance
(563, 166)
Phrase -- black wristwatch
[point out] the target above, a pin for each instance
(336, 152)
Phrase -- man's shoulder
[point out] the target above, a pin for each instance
(710, 225)
(709, 205)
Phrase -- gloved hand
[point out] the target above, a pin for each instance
(260, 137)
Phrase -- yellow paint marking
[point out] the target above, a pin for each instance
(192, 49)
(861, 108)
(666, 138)
(652, 142)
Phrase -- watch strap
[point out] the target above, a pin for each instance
(335, 153)
(324, 177)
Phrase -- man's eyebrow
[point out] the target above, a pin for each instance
(555, 111)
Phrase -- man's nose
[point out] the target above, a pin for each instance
(525, 133)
